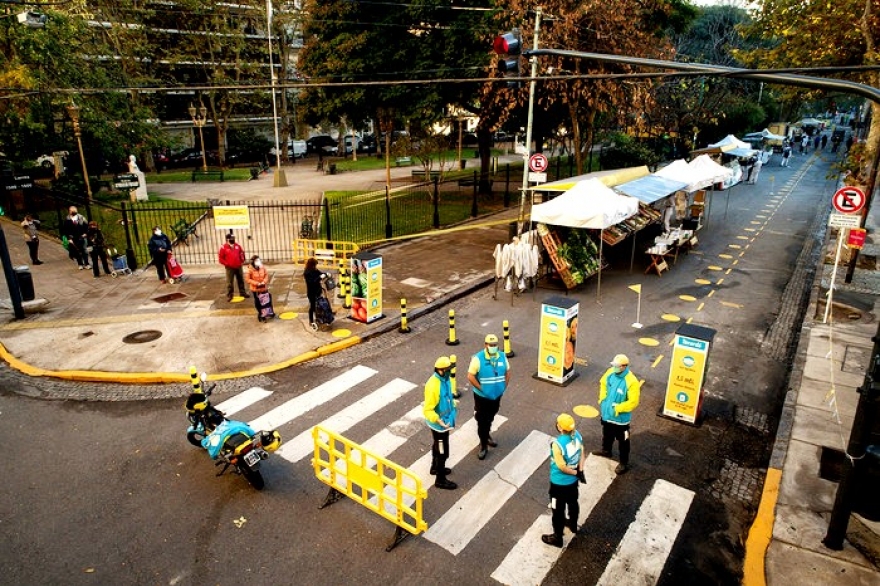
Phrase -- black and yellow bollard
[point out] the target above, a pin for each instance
(195, 380)
(342, 277)
(346, 304)
(452, 385)
(404, 328)
(452, 341)
(507, 351)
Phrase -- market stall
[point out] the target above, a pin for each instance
(589, 204)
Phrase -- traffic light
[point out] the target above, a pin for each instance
(509, 46)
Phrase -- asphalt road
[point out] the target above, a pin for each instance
(113, 494)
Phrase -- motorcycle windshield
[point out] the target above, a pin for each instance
(215, 440)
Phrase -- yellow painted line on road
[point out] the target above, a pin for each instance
(715, 268)
(689, 320)
(734, 263)
(700, 307)
(734, 246)
(761, 531)
(726, 256)
(719, 281)
(341, 333)
(711, 293)
(755, 222)
(649, 342)
(761, 216)
(730, 304)
(670, 317)
(742, 237)
(749, 229)
(687, 297)
(702, 281)
(656, 361)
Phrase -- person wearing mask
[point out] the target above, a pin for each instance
(74, 228)
(159, 246)
(32, 238)
(232, 258)
(440, 409)
(98, 248)
(567, 458)
(314, 290)
(258, 282)
(489, 375)
(618, 397)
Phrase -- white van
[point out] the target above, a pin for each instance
(296, 148)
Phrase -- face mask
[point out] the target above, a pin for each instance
(619, 369)
(158, 232)
(492, 350)
(444, 375)
(258, 263)
(73, 214)
(231, 241)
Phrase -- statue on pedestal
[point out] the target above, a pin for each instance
(140, 194)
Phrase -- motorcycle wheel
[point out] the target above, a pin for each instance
(195, 438)
(253, 476)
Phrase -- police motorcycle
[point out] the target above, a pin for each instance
(230, 443)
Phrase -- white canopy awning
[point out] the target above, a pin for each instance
(651, 188)
(679, 170)
(710, 171)
(589, 204)
(729, 143)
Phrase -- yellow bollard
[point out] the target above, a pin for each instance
(342, 277)
(507, 351)
(347, 303)
(195, 380)
(452, 384)
(452, 341)
(404, 328)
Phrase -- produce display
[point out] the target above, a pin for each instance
(581, 254)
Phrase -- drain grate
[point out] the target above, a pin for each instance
(169, 297)
(142, 337)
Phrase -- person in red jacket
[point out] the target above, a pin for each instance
(231, 256)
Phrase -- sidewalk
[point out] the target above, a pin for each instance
(81, 335)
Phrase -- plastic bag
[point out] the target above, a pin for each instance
(65, 243)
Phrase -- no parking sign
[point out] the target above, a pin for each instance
(849, 200)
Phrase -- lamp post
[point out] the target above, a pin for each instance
(73, 112)
(199, 119)
(280, 180)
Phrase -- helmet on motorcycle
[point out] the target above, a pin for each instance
(196, 402)
(270, 440)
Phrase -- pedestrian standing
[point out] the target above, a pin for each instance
(314, 289)
(97, 249)
(32, 238)
(231, 256)
(824, 140)
(805, 142)
(440, 409)
(850, 140)
(756, 170)
(258, 281)
(489, 375)
(786, 154)
(816, 140)
(567, 458)
(159, 247)
(74, 228)
(618, 397)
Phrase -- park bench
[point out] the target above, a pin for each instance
(183, 230)
(470, 182)
(400, 161)
(420, 174)
(210, 175)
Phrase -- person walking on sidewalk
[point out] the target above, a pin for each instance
(618, 397)
(232, 258)
(786, 154)
(75, 227)
(258, 282)
(567, 458)
(97, 249)
(32, 238)
(314, 290)
(159, 246)
(756, 170)
(440, 409)
(489, 375)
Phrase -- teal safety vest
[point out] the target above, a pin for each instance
(492, 375)
(571, 452)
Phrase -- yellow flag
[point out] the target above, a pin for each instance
(636, 288)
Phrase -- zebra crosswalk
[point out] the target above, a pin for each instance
(639, 557)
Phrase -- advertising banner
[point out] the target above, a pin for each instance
(687, 371)
(366, 287)
(232, 218)
(557, 340)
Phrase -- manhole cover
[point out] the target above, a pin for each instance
(169, 297)
(142, 337)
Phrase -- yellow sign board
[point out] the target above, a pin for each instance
(232, 218)
(687, 372)
(557, 340)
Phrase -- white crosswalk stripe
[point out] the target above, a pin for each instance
(530, 559)
(640, 556)
(648, 541)
(454, 530)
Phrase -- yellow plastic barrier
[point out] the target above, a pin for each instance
(380, 485)
(328, 253)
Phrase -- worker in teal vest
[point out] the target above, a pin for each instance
(440, 409)
(618, 397)
(489, 375)
(567, 458)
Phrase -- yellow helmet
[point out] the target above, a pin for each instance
(620, 360)
(443, 362)
(491, 339)
(565, 422)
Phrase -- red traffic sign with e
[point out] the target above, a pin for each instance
(848, 200)
(538, 163)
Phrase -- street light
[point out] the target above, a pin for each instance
(73, 112)
(280, 179)
(199, 121)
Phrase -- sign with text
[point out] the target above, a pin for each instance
(366, 287)
(537, 177)
(687, 371)
(849, 200)
(538, 163)
(845, 221)
(19, 183)
(557, 340)
(232, 218)
(126, 182)
(856, 238)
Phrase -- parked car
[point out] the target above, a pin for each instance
(297, 148)
(186, 158)
(49, 160)
(367, 144)
(322, 143)
(161, 160)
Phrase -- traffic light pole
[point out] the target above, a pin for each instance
(528, 151)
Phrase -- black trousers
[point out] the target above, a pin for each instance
(313, 301)
(33, 249)
(564, 497)
(159, 260)
(98, 252)
(484, 413)
(613, 431)
(439, 453)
